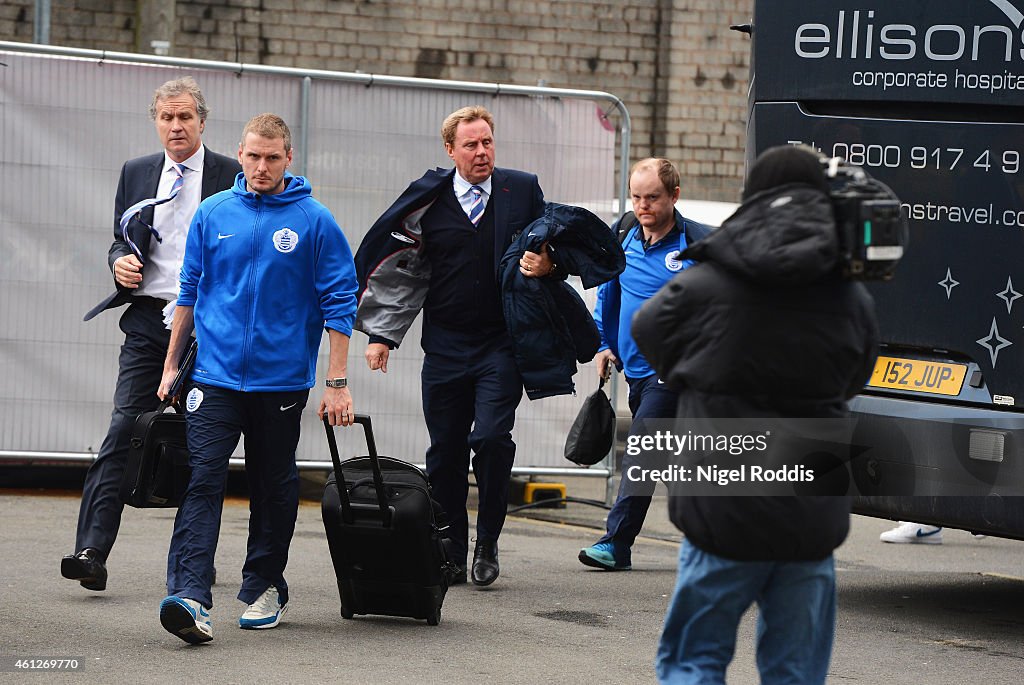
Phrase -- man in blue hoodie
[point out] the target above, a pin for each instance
(266, 270)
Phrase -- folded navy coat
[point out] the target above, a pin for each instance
(551, 326)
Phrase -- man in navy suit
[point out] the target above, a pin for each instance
(437, 248)
(145, 260)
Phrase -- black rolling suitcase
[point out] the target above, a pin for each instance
(157, 471)
(385, 534)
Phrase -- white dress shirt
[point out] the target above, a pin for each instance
(463, 191)
(171, 220)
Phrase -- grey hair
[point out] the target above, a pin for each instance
(185, 85)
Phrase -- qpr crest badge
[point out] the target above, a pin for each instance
(193, 399)
(672, 262)
(285, 240)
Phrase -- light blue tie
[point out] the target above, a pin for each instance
(476, 210)
(136, 210)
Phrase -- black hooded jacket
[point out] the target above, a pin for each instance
(763, 326)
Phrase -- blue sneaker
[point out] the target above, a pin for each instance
(187, 619)
(266, 612)
(602, 555)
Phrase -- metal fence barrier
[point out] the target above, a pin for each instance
(69, 118)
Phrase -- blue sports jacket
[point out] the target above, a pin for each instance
(266, 274)
(608, 313)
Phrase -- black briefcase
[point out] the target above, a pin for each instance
(157, 471)
(385, 534)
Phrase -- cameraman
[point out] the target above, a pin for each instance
(763, 326)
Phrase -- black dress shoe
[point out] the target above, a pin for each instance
(87, 568)
(485, 562)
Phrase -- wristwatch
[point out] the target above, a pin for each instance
(337, 382)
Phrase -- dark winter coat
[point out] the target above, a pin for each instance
(763, 326)
(551, 326)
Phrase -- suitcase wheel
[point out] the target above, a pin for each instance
(346, 613)
(434, 617)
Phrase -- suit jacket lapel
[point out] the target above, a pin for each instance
(501, 196)
(210, 175)
(150, 186)
(152, 182)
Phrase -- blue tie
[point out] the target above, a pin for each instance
(136, 209)
(476, 210)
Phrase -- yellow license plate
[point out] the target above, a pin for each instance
(917, 375)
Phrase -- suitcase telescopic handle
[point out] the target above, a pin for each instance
(339, 477)
(364, 421)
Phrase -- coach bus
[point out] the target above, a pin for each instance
(928, 97)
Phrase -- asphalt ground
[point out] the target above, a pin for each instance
(948, 613)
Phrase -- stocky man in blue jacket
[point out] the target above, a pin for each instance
(266, 270)
(652, 238)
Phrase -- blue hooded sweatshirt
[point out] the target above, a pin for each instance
(266, 274)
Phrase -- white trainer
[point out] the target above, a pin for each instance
(265, 612)
(913, 533)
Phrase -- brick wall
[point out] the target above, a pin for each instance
(95, 24)
(706, 97)
(679, 69)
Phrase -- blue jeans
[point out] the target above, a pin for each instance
(270, 422)
(797, 604)
(648, 399)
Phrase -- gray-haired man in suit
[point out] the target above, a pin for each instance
(444, 238)
(145, 260)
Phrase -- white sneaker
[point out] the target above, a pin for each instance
(265, 612)
(187, 619)
(913, 533)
